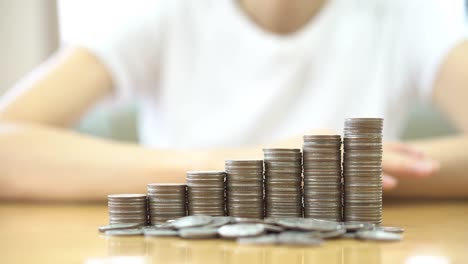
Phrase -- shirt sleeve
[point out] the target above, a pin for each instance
(130, 49)
(437, 26)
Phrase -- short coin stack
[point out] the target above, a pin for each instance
(205, 193)
(322, 177)
(166, 201)
(127, 209)
(283, 182)
(244, 188)
(362, 167)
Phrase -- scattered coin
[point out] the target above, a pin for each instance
(160, 232)
(308, 224)
(354, 226)
(125, 232)
(270, 239)
(118, 226)
(198, 232)
(392, 229)
(378, 235)
(192, 221)
(241, 230)
(333, 233)
(218, 221)
(299, 238)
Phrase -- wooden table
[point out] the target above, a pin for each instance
(436, 233)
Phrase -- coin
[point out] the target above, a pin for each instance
(125, 232)
(198, 232)
(362, 170)
(192, 221)
(333, 233)
(308, 224)
(299, 238)
(269, 239)
(322, 177)
(283, 177)
(205, 192)
(127, 209)
(166, 202)
(244, 188)
(218, 221)
(378, 235)
(160, 232)
(241, 230)
(118, 226)
(391, 229)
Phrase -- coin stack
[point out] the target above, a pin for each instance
(283, 180)
(322, 177)
(127, 208)
(244, 188)
(205, 191)
(166, 201)
(362, 167)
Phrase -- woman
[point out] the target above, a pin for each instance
(218, 79)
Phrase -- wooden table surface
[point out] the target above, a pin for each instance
(436, 233)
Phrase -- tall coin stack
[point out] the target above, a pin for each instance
(205, 192)
(362, 167)
(166, 201)
(127, 209)
(283, 182)
(244, 188)
(322, 177)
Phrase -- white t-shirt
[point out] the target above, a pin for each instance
(207, 76)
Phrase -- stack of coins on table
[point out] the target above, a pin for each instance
(166, 201)
(283, 182)
(244, 188)
(205, 193)
(322, 177)
(127, 209)
(362, 167)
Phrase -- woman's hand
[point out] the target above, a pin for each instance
(402, 160)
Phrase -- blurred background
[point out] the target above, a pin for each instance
(32, 30)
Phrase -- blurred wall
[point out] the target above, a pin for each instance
(28, 35)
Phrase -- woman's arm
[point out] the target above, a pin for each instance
(42, 160)
(46, 163)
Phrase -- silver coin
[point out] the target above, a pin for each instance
(391, 229)
(198, 232)
(378, 235)
(241, 230)
(160, 232)
(333, 233)
(308, 224)
(354, 226)
(218, 221)
(125, 232)
(299, 238)
(118, 226)
(192, 221)
(270, 239)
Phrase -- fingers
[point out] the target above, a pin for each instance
(389, 182)
(405, 149)
(399, 165)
